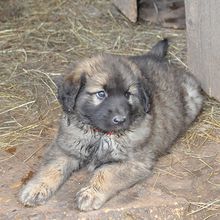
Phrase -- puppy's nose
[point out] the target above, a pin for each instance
(118, 119)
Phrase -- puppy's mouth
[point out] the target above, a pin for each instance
(110, 129)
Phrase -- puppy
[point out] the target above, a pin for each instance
(119, 114)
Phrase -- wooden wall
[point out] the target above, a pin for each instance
(203, 43)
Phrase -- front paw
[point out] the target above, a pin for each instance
(34, 194)
(90, 199)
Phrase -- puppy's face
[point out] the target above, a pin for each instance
(105, 92)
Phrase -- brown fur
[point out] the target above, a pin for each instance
(157, 101)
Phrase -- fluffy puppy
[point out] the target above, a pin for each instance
(119, 114)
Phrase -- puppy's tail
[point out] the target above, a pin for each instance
(158, 52)
(160, 49)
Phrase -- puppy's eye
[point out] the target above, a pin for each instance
(127, 94)
(101, 94)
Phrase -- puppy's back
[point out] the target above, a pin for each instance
(175, 96)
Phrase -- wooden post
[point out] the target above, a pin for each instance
(128, 8)
(203, 43)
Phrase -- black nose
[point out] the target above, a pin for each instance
(118, 119)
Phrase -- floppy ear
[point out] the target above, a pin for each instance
(144, 96)
(68, 90)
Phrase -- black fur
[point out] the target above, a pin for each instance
(144, 95)
(68, 92)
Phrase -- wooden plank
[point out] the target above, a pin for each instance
(128, 8)
(203, 43)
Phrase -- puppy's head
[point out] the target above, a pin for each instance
(106, 92)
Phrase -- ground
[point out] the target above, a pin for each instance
(38, 40)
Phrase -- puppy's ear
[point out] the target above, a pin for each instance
(68, 89)
(144, 96)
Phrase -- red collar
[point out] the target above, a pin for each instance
(107, 133)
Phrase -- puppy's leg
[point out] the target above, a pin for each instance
(108, 180)
(51, 176)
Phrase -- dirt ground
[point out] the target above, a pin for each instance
(38, 40)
